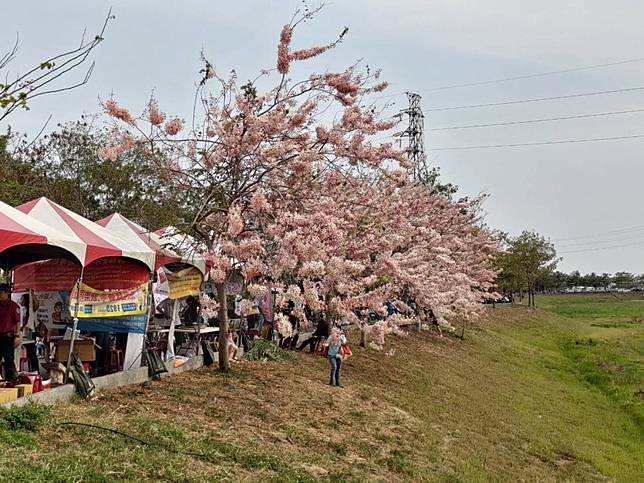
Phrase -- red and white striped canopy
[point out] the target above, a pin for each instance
(99, 241)
(138, 236)
(25, 239)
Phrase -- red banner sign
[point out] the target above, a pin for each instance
(61, 275)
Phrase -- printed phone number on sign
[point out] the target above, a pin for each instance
(113, 308)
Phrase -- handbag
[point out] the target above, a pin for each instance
(321, 349)
(346, 351)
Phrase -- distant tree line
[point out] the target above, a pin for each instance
(65, 166)
(528, 262)
(557, 281)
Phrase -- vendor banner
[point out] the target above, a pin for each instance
(61, 275)
(131, 324)
(94, 303)
(183, 283)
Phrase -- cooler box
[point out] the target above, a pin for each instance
(8, 394)
(24, 389)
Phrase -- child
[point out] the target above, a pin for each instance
(40, 348)
(232, 347)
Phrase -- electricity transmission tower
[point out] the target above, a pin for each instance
(414, 133)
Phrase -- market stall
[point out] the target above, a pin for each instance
(178, 283)
(185, 279)
(24, 239)
(110, 293)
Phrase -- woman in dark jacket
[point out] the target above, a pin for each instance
(320, 334)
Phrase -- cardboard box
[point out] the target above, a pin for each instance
(8, 394)
(56, 371)
(83, 348)
(24, 390)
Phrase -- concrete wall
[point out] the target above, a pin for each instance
(105, 383)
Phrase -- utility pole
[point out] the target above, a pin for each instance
(415, 145)
(415, 134)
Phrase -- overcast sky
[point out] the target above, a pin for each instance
(587, 197)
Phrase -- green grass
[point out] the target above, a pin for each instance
(546, 395)
(590, 307)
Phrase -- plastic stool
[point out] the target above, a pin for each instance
(114, 361)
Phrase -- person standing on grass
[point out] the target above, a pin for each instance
(266, 308)
(434, 321)
(9, 330)
(335, 356)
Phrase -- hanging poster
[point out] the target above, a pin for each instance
(53, 308)
(160, 288)
(183, 283)
(94, 303)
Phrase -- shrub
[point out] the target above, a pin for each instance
(264, 350)
(28, 417)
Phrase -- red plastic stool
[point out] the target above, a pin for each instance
(23, 364)
(114, 361)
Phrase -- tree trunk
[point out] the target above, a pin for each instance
(224, 363)
(463, 329)
(363, 337)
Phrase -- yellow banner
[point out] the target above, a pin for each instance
(184, 283)
(115, 303)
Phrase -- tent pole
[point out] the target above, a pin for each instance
(175, 310)
(75, 325)
(151, 309)
(198, 326)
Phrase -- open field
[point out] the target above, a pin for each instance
(604, 307)
(555, 394)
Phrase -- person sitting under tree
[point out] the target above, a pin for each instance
(321, 332)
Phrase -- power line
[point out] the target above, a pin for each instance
(601, 248)
(528, 121)
(532, 76)
(538, 99)
(543, 143)
(600, 242)
(625, 230)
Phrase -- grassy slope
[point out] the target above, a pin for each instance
(525, 396)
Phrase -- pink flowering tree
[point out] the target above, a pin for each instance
(359, 242)
(247, 154)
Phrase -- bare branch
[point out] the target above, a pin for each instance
(29, 85)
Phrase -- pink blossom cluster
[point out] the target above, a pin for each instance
(256, 291)
(117, 148)
(153, 114)
(209, 306)
(120, 113)
(283, 58)
(283, 326)
(173, 126)
(235, 222)
(247, 307)
(259, 202)
(220, 266)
